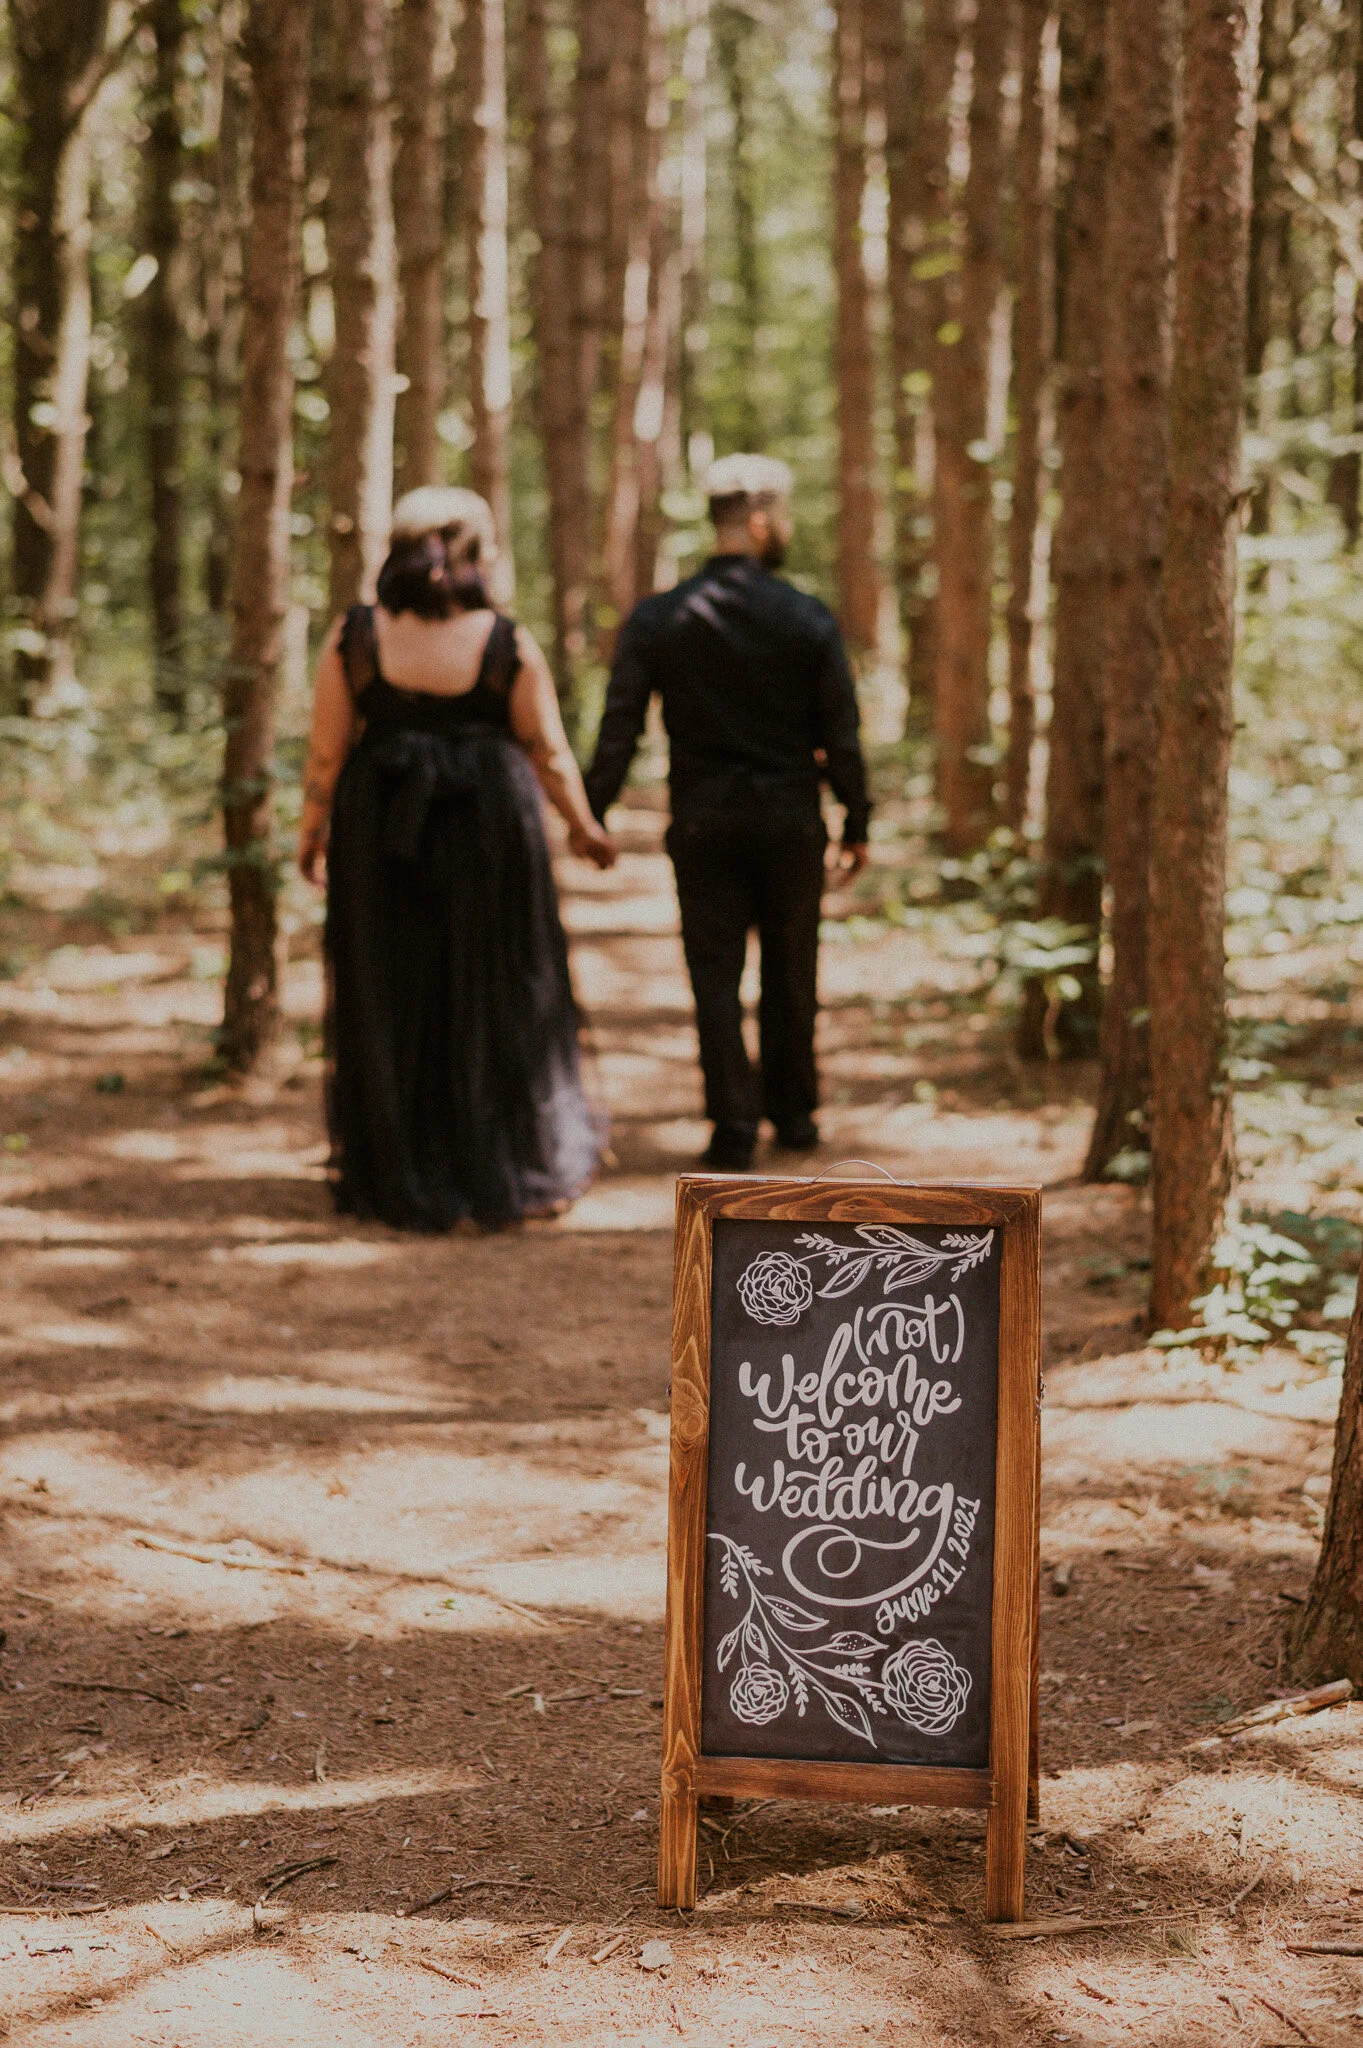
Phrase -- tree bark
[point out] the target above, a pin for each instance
(733, 27)
(276, 46)
(1346, 471)
(1328, 1642)
(1071, 883)
(1193, 1142)
(554, 351)
(220, 289)
(964, 511)
(421, 63)
(486, 221)
(854, 357)
(59, 63)
(635, 153)
(1033, 354)
(588, 221)
(657, 371)
(163, 349)
(695, 192)
(360, 243)
(1143, 102)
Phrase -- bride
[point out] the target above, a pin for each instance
(454, 1087)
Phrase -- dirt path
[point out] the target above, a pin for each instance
(334, 1562)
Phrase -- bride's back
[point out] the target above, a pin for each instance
(440, 657)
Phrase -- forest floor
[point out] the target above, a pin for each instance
(333, 1570)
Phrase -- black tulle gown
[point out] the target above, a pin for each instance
(452, 1031)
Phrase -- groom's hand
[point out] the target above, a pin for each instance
(852, 859)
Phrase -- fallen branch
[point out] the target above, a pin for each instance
(1333, 1695)
(451, 1976)
(1034, 1930)
(608, 1948)
(1325, 1948)
(59, 1912)
(466, 1884)
(556, 1947)
(1246, 1889)
(201, 1555)
(1285, 2017)
(285, 1873)
(138, 1692)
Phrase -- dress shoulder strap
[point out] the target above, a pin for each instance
(359, 648)
(501, 657)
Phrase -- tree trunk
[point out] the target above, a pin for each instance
(854, 358)
(1071, 881)
(484, 53)
(1270, 222)
(1143, 103)
(58, 65)
(554, 352)
(587, 216)
(1033, 351)
(657, 370)
(695, 185)
(733, 30)
(360, 244)
(634, 166)
(220, 289)
(1193, 1156)
(163, 350)
(276, 45)
(1328, 1642)
(421, 63)
(964, 510)
(1346, 471)
(912, 126)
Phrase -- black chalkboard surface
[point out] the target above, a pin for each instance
(850, 1491)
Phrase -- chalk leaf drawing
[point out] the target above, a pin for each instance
(777, 1287)
(921, 1683)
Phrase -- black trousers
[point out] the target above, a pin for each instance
(734, 876)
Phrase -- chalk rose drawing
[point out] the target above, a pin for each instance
(922, 1682)
(758, 1694)
(776, 1287)
(925, 1686)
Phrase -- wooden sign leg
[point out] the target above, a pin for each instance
(677, 1847)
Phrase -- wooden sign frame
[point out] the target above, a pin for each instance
(1007, 1788)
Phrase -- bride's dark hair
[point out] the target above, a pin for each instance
(441, 538)
(418, 576)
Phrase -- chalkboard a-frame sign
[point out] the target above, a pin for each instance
(853, 1563)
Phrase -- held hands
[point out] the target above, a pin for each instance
(593, 842)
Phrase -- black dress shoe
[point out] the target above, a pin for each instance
(800, 1134)
(730, 1150)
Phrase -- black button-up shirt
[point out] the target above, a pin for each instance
(754, 682)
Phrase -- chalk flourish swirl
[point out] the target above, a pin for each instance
(925, 1686)
(758, 1695)
(776, 1289)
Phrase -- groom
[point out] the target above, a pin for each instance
(759, 706)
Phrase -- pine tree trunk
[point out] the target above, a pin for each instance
(486, 220)
(220, 290)
(695, 193)
(421, 53)
(732, 33)
(57, 67)
(963, 508)
(1328, 1641)
(554, 354)
(276, 46)
(360, 244)
(634, 165)
(854, 357)
(908, 130)
(655, 399)
(1193, 1145)
(1033, 352)
(1071, 882)
(1143, 104)
(588, 211)
(163, 351)
(1346, 471)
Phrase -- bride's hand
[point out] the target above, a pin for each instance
(593, 842)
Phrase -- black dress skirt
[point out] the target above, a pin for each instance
(454, 1085)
